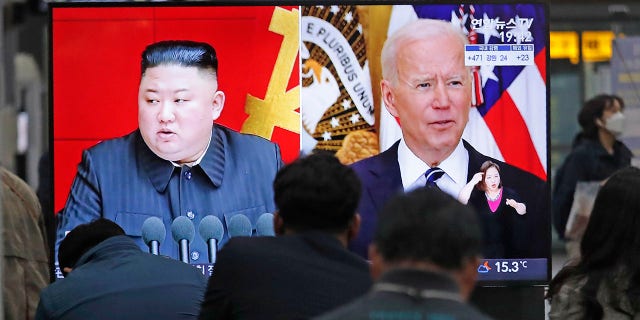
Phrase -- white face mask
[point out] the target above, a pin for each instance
(615, 124)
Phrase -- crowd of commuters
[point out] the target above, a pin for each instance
(424, 213)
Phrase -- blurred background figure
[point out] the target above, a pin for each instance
(25, 261)
(425, 253)
(605, 283)
(45, 195)
(596, 153)
(107, 276)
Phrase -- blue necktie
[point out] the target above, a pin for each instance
(432, 175)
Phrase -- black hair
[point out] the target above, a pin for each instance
(84, 237)
(427, 225)
(180, 52)
(592, 110)
(317, 192)
(619, 99)
(610, 241)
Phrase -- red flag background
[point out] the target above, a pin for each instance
(96, 70)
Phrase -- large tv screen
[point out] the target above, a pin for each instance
(308, 78)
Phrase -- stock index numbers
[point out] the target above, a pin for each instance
(499, 54)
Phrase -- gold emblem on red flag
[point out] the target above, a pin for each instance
(278, 108)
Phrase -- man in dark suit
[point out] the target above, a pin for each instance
(178, 163)
(306, 269)
(428, 87)
(424, 257)
(107, 276)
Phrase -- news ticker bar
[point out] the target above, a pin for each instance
(488, 270)
(512, 269)
(499, 55)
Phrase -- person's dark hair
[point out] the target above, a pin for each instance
(180, 52)
(592, 110)
(610, 241)
(483, 168)
(427, 225)
(619, 99)
(84, 237)
(317, 192)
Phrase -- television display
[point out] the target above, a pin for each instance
(308, 78)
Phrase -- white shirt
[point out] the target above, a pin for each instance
(455, 166)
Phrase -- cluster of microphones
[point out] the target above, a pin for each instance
(210, 229)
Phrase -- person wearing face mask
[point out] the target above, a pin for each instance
(596, 153)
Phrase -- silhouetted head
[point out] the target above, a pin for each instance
(317, 192)
(427, 225)
(84, 237)
(428, 229)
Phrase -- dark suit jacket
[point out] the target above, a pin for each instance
(124, 181)
(440, 299)
(116, 280)
(380, 176)
(283, 277)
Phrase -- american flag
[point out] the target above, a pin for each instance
(509, 121)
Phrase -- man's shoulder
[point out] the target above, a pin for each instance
(245, 255)
(239, 138)
(17, 186)
(381, 160)
(249, 246)
(371, 305)
(170, 267)
(120, 144)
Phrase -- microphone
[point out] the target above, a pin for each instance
(211, 231)
(239, 226)
(182, 230)
(153, 234)
(264, 226)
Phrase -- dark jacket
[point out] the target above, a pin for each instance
(380, 176)
(116, 280)
(589, 161)
(124, 181)
(283, 277)
(409, 294)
